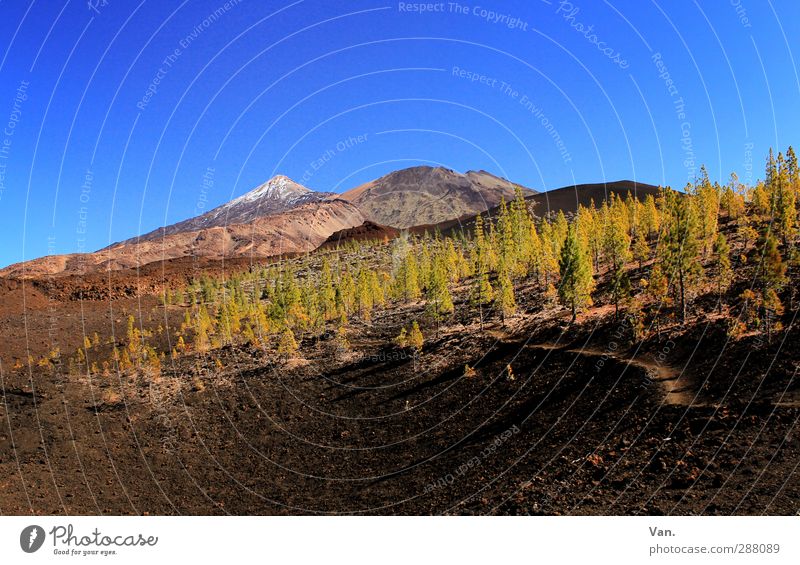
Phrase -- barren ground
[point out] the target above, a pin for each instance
(691, 424)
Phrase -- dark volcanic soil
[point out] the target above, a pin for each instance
(573, 430)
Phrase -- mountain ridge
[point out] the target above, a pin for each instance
(282, 216)
(279, 194)
(429, 195)
(300, 229)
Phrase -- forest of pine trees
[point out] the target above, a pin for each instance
(649, 259)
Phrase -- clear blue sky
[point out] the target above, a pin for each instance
(94, 151)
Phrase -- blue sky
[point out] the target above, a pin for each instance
(123, 117)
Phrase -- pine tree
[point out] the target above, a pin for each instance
(364, 297)
(650, 221)
(505, 300)
(415, 337)
(706, 198)
(249, 335)
(507, 252)
(415, 340)
(346, 292)
(773, 268)
(342, 343)
(577, 283)
(440, 302)
(762, 200)
(634, 313)
(424, 264)
(134, 336)
(772, 276)
(535, 252)
(287, 346)
(681, 247)
(594, 231)
(722, 262)
(785, 202)
(731, 200)
(407, 279)
(550, 252)
(792, 171)
(616, 247)
(641, 249)
(80, 356)
(327, 294)
(521, 230)
(203, 327)
(402, 339)
(153, 362)
(560, 228)
(451, 261)
(773, 309)
(657, 287)
(746, 232)
(482, 292)
(125, 363)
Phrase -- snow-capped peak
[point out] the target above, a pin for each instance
(279, 187)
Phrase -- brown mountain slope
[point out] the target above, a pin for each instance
(368, 231)
(567, 199)
(300, 229)
(279, 194)
(429, 195)
(564, 199)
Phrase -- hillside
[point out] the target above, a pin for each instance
(567, 199)
(523, 412)
(368, 231)
(428, 195)
(277, 195)
(302, 228)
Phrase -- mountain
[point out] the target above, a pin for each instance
(567, 198)
(368, 231)
(283, 217)
(279, 194)
(302, 228)
(429, 195)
